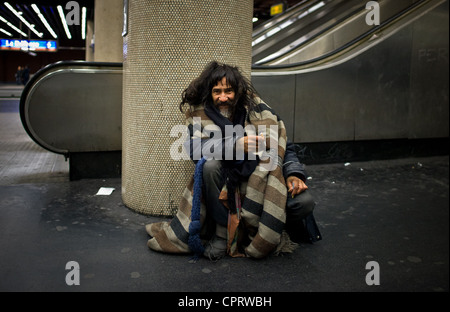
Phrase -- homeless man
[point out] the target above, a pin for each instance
(248, 195)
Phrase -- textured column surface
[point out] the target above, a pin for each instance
(108, 30)
(168, 43)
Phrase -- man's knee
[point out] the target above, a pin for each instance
(212, 170)
(300, 206)
(212, 175)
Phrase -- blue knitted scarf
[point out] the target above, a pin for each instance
(194, 241)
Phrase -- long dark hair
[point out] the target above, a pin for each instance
(199, 90)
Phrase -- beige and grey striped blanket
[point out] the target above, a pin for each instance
(262, 216)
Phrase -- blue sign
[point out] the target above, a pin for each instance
(28, 45)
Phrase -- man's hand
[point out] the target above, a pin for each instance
(249, 143)
(295, 185)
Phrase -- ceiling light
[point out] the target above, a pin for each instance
(19, 15)
(5, 32)
(43, 20)
(63, 20)
(83, 23)
(13, 27)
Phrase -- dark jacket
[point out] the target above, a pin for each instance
(291, 165)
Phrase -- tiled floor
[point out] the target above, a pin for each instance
(21, 159)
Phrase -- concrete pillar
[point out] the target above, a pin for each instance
(167, 45)
(108, 30)
(89, 40)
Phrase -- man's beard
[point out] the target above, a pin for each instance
(226, 109)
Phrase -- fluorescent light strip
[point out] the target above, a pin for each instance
(317, 6)
(43, 20)
(63, 20)
(19, 15)
(5, 32)
(13, 27)
(83, 23)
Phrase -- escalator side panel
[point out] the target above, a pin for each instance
(277, 93)
(429, 74)
(76, 110)
(325, 105)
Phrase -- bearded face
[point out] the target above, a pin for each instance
(223, 96)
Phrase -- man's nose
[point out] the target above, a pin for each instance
(223, 98)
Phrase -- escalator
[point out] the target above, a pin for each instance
(298, 25)
(331, 29)
(357, 82)
(75, 109)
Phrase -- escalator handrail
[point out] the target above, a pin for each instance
(318, 34)
(41, 74)
(342, 48)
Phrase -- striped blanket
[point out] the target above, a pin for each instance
(256, 228)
